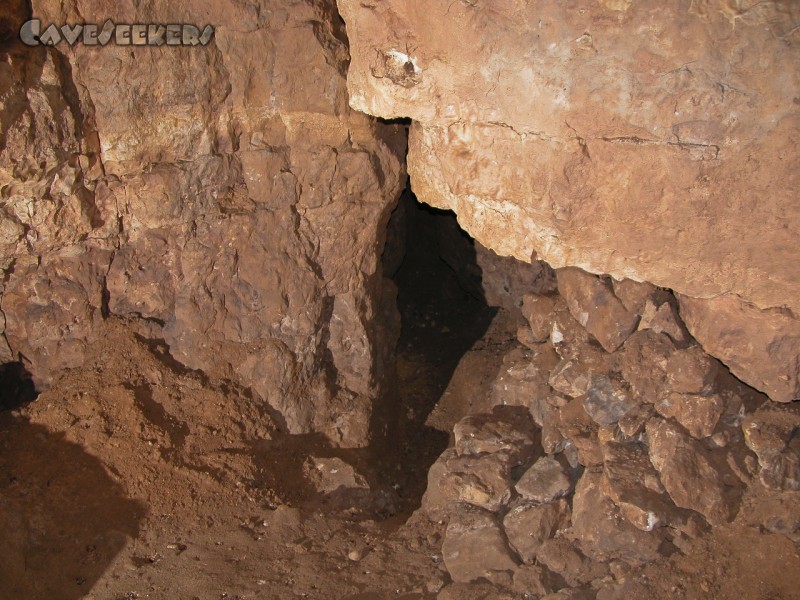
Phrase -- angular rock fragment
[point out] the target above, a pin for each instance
(633, 423)
(490, 433)
(595, 306)
(560, 556)
(572, 376)
(545, 481)
(691, 371)
(522, 380)
(699, 415)
(577, 427)
(505, 280)
(475, 547)
(534, 580)
(643, 362)
(633, 484)
(689, 474)
(665, 319)
(529, 525)
(761, 347)
(601, 532)
(607, 400)
(540, 313)
(773, 433)
(483, 481)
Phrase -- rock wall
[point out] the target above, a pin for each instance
(647, 141)
(225, 197)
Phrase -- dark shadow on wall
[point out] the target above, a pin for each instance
(443, 313)
(63, 519)
(16, 386)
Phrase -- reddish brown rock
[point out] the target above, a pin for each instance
(692, 477)
(505, 280)
(244, 203)
(534, 579)
(665, 319)
(483, 481)
(545, 481)
(624, 159)
(578, 428)
(52, 310)
(691, 371)
(644, 361)
(633, 484)
(600, 530)
(540, 313)
(773, 434)
(608, 400)
(761, 347)
(491, 433)
(594, 305)
(560, 556)
(475, 547)
(527, 526)
(698, 414)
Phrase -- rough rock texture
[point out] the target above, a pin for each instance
(690, 474)
(474, 546)
(226, 194)
(529, 525)
(762, 348)
(619, 137)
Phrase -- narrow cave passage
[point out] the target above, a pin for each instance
(432, 262)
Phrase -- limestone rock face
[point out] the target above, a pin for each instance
(762, 348)
(227, 194)
(618, 137)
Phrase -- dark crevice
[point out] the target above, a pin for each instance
(443, 313)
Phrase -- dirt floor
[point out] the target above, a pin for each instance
(134, 478)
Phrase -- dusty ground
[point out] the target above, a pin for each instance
(134, 478)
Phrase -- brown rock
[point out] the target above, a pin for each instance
(506, 280)
(772, 433)
(483, 481)
(560, 556)
(621, 134)
(474, 546)
(534, 579)
(593, 304)
(692, 478)
(691, 371)
(545, 481)
(633, 423)
(761, 347)
(573, 375)
(643, 363)
(578, 427)
(607, 400)
(527, 526)
(52, 309)
(490, 433)
(251, 134)
(601, 532)
(633, 484)
(540, 313)
(522, 381)
(698, 414)
(665, 319)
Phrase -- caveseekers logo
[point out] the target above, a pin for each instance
(121, 34)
